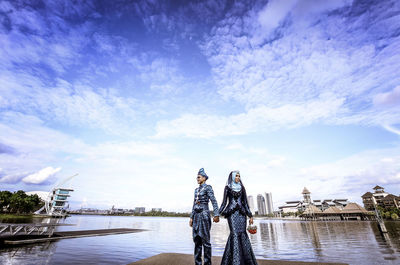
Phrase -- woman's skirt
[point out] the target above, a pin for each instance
(238, 249)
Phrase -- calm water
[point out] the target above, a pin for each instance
(349, 242)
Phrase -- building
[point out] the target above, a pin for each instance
(269, 204)
(318, 204)
(306, 196)
(261, 205)
(391, 201)
(321, 205)
(341, 203)
(140, 210)
(291, 207)
(251, 203)
(380, 198)
(352, 211)
(56, 203)
(156, 209)
(327, 203)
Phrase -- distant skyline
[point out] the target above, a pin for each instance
(136, 96)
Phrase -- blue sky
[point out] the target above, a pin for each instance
(136, 96)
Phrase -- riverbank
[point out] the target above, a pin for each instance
(16, 216)
(184, 259)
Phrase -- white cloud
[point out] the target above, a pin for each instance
(274, 12)
(316, 54)
(260, 118)
(392, 129)
(391, 98)
(41, 176)
(162, 75)
(66, 103)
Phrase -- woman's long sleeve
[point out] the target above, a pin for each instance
(224, 201)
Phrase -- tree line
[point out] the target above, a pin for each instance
(156, 213)
(19, 202)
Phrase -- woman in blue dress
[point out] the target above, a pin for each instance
(235, 208)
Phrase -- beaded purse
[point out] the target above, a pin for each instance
(252, 229)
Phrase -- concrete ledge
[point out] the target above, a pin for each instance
(186, 259)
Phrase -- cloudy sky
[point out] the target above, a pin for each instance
(136, 96)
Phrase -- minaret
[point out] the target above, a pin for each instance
(306, 195)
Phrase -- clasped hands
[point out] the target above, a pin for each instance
(215, 219)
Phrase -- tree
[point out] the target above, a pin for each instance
(19, 202)
(4, 200)
(394, 216)
(386, 215)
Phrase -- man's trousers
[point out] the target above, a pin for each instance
(199, 244)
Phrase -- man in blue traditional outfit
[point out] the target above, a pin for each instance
(200, 219)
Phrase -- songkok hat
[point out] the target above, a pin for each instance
(202, 173)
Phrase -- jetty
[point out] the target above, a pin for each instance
(31, 238)
(185, 259)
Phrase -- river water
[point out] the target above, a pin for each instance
(350, 242)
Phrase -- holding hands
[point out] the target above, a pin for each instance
(251, 221)
(215, 219)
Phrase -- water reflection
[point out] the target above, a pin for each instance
(331, 241)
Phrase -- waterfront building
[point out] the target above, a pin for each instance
(340, 203)
(156, 209)
(261, 205)
(318, 204)
(321, 205)
(312, 211)
(140, 210)
(268, 202)
(352, 211)
(56, 202)
(380, 198)
(291, 207)
(251, 203)
(327, 203)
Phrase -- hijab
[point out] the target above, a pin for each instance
(232, 183)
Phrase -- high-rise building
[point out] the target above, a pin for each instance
(261, 205)
(268, 202)
(251, 203)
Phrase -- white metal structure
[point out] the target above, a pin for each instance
(57, 200)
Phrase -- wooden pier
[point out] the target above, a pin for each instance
(185, 259)
(21, 240)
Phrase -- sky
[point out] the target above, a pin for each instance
(137, 96)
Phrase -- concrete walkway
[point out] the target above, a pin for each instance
(186, 259)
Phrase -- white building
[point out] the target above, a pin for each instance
(261, 205)
(251, 203)
(294, 206)
(291, 207)
(268, 202)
